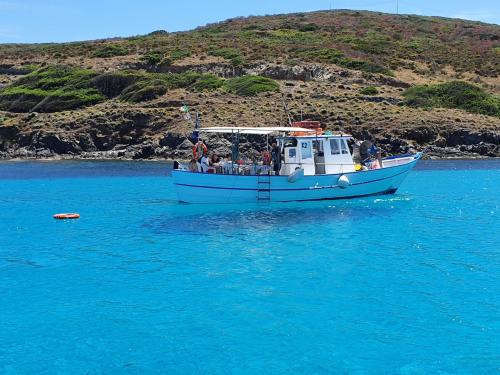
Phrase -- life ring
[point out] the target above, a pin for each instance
(67, 216)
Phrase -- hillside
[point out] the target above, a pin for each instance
(407, 82)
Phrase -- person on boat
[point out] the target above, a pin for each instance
(266, 157)
(214, 160)
(228, 165)
(276, 158)
(216, 163)
(199, 150)
(254, 165)
(193, 166)
(355, 152)
(204, 164)
(377, 163)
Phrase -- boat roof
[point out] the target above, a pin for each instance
(329, 135)
(255, 130)
(264, 130)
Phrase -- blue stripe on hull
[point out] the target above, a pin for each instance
(386, 192)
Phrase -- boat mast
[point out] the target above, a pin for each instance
(286, 110)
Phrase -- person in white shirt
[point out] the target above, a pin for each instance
(204, 164)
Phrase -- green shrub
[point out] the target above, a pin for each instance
(251, 85)
(308, 27)
(455, 94)
(112, 84)
(57, 88)
(110, 50)
(208, 82)
(231, 54)
(327, 55)
(158, 33)
(28, 68)
(333, 56)
(364, 66)
(253, 27)
(179, 54)
(51, 89)
(369, 90)
(152, 58)
(144, 90)
(414, 45)
(135, 86)
(292, 36)
(372, 43)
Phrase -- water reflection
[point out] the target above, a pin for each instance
(222, 219)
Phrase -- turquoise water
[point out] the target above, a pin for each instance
(403, 284)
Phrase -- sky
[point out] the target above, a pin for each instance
(36, 21)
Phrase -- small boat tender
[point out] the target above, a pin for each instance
(314, 166)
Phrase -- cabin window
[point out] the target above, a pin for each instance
(290, 142)
(334, 146)
(292, 152)
(343, 146)
(306, 150)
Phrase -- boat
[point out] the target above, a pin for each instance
(315, 165)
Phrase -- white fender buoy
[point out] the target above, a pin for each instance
(296, 175)
(343, 182)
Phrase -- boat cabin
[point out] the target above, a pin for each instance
(323, 154)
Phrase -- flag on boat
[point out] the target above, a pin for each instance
(185, 109)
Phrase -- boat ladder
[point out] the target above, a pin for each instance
(264, 187)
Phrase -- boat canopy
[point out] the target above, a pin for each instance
(299, 132)
(254, 130)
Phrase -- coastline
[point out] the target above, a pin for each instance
(170, 160)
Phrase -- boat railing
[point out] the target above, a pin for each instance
(245, 168)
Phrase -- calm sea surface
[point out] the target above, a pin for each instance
(404, 284)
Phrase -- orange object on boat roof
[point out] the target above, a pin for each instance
(307, 124)
(67, 216)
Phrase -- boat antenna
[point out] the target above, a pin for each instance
(286, 110)
(196, 123)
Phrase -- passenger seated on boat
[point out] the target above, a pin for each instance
(377, 163)
(214, 159)
(204, 164)
(266, 157)
(199, 150)
(216, 163)
(193, 166)
(378, 155)
(228, 166)
(254, 166)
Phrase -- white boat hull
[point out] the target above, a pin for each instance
(223, 188)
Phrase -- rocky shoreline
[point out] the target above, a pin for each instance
(178, 147)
